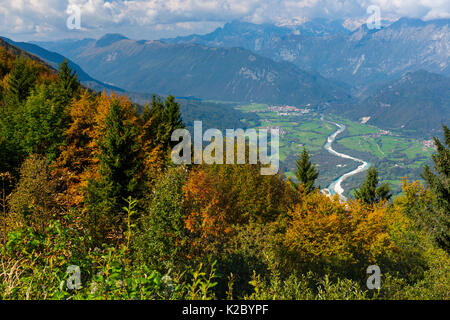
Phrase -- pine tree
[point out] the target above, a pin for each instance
(119, 151)
(439, 183)
(172, 118)
(68, 84)
(118, 173)
(43, 123)
(21, 81)
(369, 192)
(306, 172)
(162, 118)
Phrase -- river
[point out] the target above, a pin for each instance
(336, 186)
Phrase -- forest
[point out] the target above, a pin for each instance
(86, 180)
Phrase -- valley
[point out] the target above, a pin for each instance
(224, 151)
(390, 114)
(395, 154)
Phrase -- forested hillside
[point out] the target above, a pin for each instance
(54, 59)
(86, 180)
(418, 101)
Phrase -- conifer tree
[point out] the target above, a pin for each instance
(306, 173)
(438, 181)
(163, 118)
(172, 117)
(118, 173)
(118, 152)
(369, 192)
(68, 84)
(21, 81)
(43, 123)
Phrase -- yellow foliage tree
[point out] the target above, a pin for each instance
(326, 233)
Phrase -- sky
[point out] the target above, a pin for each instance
(40, 20)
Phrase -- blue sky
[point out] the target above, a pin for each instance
(154, 19)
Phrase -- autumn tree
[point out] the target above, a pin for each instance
(324, 235)
(35, 201)
(76, 163)
(369, 192)
(247, 195)
(206, 213)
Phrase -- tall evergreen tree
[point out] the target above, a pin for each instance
(369, 192)
(438, 181)
(172, 117)
(162, 118)
(306, 173)
(42, 123)
(119, 151)
(68, 84)
(21, 81)
(119, 167)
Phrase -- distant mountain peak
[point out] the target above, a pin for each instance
(109, 39)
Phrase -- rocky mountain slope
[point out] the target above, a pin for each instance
(360, 58)
(228, 74)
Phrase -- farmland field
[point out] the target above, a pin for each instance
(394, 154)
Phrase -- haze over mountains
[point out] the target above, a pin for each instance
(230, 74)
(265, 63)
(359, 58)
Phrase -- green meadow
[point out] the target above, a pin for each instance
(394, 155)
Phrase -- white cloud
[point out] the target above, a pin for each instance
(33, 19)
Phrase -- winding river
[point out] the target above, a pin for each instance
(336, 186)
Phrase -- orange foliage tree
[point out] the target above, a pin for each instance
(205, 213)
(220, 198)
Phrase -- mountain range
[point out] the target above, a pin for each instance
(213, 115)
(227, 74)
(361, 57)
(397, 76)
